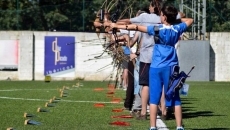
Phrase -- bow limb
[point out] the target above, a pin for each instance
(110, 5)
(125, 10)
(104, 4)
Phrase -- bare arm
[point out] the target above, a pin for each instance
(130, 27)
(122, 40)
(134, 39)
(97, 24)
(188, 21)
(134, 55)
(124, 21)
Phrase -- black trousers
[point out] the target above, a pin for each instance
(130, 89)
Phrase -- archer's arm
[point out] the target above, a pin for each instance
(123, 21)
(130, 27)
(97, 24)
(188, 21)
(134, 39)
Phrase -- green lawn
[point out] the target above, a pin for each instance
(205, 108)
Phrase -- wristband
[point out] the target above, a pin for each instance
(136, 28)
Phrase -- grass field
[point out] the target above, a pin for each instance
(205, 108)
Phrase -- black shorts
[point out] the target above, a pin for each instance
(144, 74)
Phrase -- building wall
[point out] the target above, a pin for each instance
(220, 56)
(195, 53)
(88, 45)
(211, 58)
(25, 53)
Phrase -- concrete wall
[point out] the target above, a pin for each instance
(220, 56)
(25, 53)
(195, 52)
(212, 58)
(87, 46)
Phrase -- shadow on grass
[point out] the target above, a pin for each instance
(186, 110)
(213, 129)
(189, 113)
(198, 114)
(183, 102)
(189, 99)
(203, 128)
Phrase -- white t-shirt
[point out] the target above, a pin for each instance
(148, 42)
(131, 33)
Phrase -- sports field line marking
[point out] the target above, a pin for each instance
(71, 89)
(9, 90)
(30, 99)
(160, 124)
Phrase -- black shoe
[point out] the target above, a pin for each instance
(135, 113)
(164, 117)
(141, 117)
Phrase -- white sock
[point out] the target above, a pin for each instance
(179, 127)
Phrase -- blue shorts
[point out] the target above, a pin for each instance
(159, 78)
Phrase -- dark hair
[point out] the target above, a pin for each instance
(157, 4)
(170, 12)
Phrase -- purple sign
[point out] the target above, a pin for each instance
(59, 57)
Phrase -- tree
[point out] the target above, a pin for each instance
(8, 15)
(218, 15)
(78, 15)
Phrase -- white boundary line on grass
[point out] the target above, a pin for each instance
(30, 99)
(161, 125)
(10, 90)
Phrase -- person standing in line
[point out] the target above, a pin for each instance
(164, 57)
(146, 50)
(137, 88)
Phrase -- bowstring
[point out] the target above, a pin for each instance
(118, 56)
